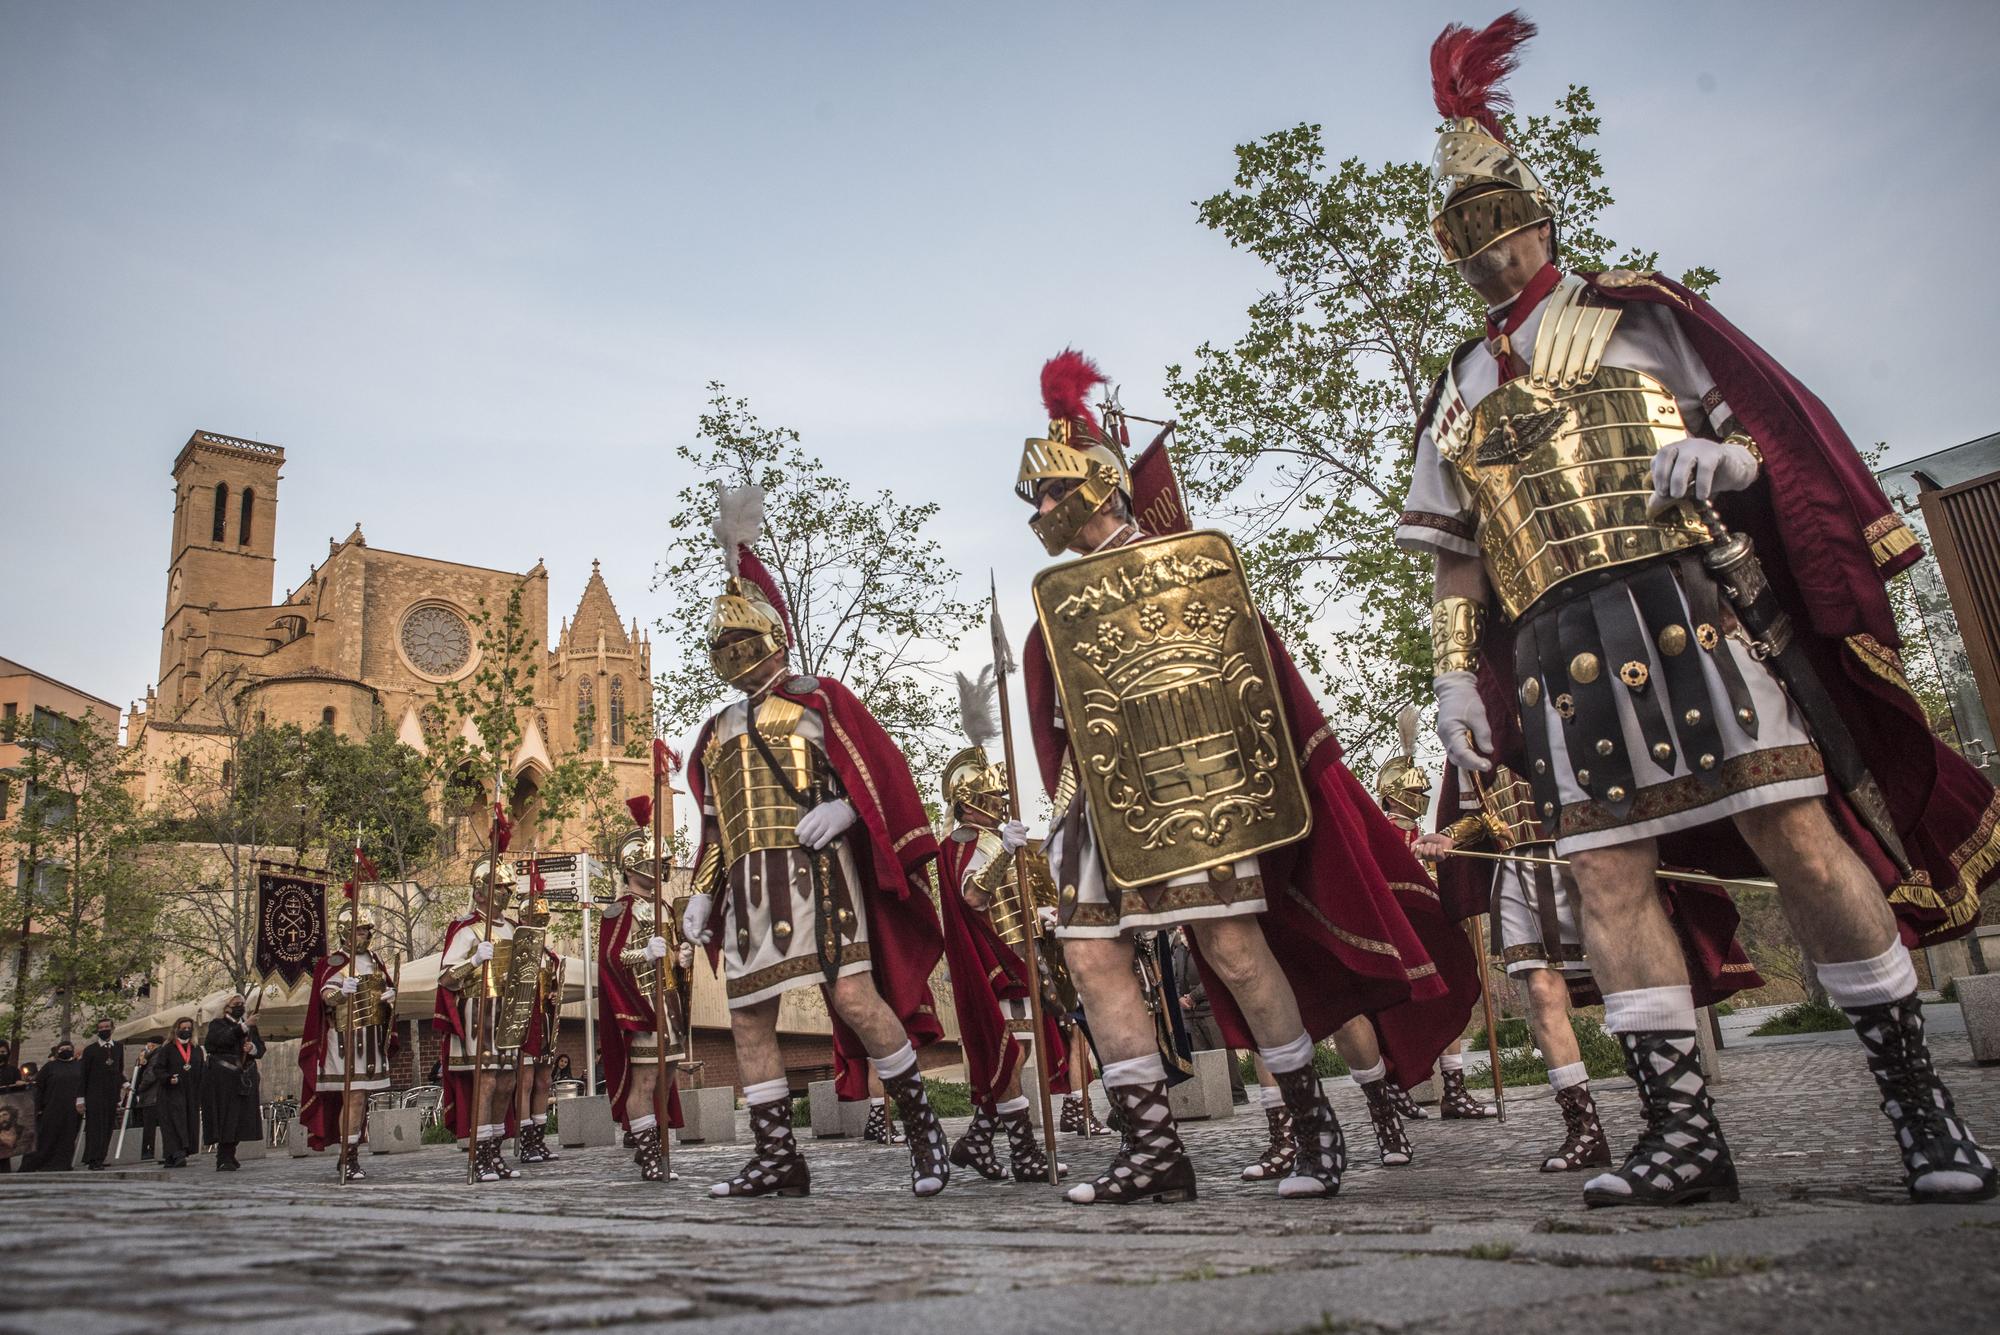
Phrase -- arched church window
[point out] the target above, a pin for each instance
(326, 717)
(184, 769)
(243, 528)
(618, 711)
(219, 531)
(586, 710)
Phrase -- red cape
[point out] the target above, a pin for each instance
(1829, 541)
(891, 843)
(624, 1008)
(1352, 917)
(985, 972)
(455, 1105)
(319, 1109)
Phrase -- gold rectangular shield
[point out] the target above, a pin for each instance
(520, 986)
(1172, 707)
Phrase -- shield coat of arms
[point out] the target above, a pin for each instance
(1172, 707)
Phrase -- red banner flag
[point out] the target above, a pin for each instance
(503, 829)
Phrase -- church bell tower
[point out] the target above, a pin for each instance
(223, 552)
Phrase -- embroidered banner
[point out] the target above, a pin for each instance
(291, 924)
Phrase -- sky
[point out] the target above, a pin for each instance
(474, 265)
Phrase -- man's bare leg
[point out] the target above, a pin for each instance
(1275, 1163)
(1361, 1048)
(855, 999)
(1236, 951)
(1151, 1163)
(776, 1167)
(1545, 994)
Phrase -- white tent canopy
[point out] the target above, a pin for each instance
(281, 1011)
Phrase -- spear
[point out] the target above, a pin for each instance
(1003, 667)
(1659, 873)
(1486, 988)
(661, 977)
(485, 1021)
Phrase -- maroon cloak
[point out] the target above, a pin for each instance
(624, 1008)
(455, 1106)
(891, 841)
(985, 972)
(1350, 914)
(1829, 541)
(319, 1109)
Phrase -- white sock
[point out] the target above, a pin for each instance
(877, 1103)
(1368, 1075)
(354, 1139)
(896, 1065)
(1011, 1106)
(1454, 1060)
(1288, 1057)
(646, 1123)
(1271, 1096)
(1650, 1010)
(767, 1091)
(1146, 1070)
(1562, 1077)
(541, 1119)
(1852, 984)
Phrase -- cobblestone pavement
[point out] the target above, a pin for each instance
(1469, 1238)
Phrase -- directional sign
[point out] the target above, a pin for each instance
(563, 874)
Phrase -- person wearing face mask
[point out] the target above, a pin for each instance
(179, 1067)
(103, 1064)
(146, 1099)
(58, 1112)
(229, 1095)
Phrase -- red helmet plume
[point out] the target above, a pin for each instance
(1467, 68)
(750, 568)
(1067, 379)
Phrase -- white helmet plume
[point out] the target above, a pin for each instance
(1406, 728)
(739, 520)
(977, 703)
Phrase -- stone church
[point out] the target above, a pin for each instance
(362, 643)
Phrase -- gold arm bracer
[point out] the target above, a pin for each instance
(1466, 831)
(457, 976)
(708, 871)
(1065, 785)
(1457, 623)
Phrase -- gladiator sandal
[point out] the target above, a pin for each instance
(350, 1164)
(1024, 1147)
(648, 1156)
(1320, 1150)
(878, 1129)
(1075, 1123)
(1681, 1157)
(530, 1146)
(1585, 1145)
(1405, 1106)
(1390, 1137)
(777, 1168)
(490, 1167)
(930, 1156)
(974, 1149)
(542, 1146)
(1150, 1165)
(1276, 1160)
(1457, 1103)
(1942, 1162)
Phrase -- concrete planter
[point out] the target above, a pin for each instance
(396, 1131)
(586, 1122)
(1206, 1097)
(710, 1114)
(1979, 1002)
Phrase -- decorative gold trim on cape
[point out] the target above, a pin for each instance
(1888, 538)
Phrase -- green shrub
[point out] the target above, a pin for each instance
(1724, 1008)
(949, 1098)
(1326, 1063)
(438, 1134)
(1804, 1018)
(1950, 992)
(1520, 1066)
(1513, 1034)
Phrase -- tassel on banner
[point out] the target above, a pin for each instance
(503, 829)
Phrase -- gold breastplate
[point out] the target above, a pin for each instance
(752, 809)
(1510, 810)
(362, 1009)
(1558, 464)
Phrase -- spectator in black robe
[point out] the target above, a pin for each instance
(229, 1093)
(178, 1069)
(10, 1078)
(146, 1100)
(103, 1063)
(58, 1112)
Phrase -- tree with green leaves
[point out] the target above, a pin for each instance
(86, 906)
(496, 700)
(1300, 435)
(873, 603)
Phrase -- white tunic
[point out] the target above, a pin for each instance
(372, 1071)
(459, 1055)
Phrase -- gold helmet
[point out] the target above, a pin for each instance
(750, 601)
(353, 918)
(503, 882)
(635, 855)
(1403, 788)
(1077, 454)
(1480, 191)
(971, 781)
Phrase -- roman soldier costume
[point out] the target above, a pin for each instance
(1195, 779)
(986, 933)
(484, 996)
(814, 861)
(350, 1004)
(538, 1042)
(636, 960)
(1680, 659)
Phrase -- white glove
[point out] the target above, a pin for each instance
(1461, 711)
(349, 986)
(1013, 836)
(825, 823)
(1046, 916)
(656, 948)
(685, 959)
(694, 919)
(79, 1105)
(482, 952)
(388, 994)
(1709, 467)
